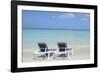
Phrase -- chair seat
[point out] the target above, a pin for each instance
(62, 55)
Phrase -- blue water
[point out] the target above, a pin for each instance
(51, 36)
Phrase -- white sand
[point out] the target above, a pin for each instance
(78, 54)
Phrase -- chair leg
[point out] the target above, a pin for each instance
(54, 56)
(44, 57)
(33, 56)
(63, 58)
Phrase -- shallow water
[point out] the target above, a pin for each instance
(72, 37)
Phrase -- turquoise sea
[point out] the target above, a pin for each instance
(52, 36)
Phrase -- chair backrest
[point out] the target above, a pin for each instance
(43, 47)
(62, 46)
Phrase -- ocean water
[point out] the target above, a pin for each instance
(52, 36)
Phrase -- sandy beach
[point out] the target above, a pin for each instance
(78, 54)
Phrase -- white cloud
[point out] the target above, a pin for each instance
(87, 15)
(66, 15)
(85, 18)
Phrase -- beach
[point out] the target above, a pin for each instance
(78, 40)
(78, 54)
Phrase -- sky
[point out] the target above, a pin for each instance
(59, 20)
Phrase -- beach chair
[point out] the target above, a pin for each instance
(63, 50)
(42, 53)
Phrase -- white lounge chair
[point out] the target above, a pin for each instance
(42, 53)
(63, 51)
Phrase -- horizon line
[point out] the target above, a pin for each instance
(58, 29)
